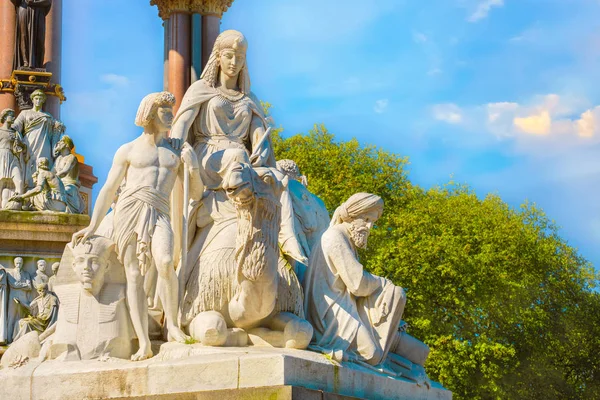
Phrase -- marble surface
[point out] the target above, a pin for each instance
(199, 371)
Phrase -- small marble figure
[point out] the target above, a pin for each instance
(40, 274)
(11, 158)
(66, 168)
(310, 214)
(3, 306)
(40, 132)
(19, 288)
(48, 194)
(30, 33)
(356, 315)
(142, 227)
(93, 319)
(52, 279)
(42, 311)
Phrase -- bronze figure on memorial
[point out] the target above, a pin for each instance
(30, 33)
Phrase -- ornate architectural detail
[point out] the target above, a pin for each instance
(210, 7)
(168, 7)
(24, 82)
(204, 7)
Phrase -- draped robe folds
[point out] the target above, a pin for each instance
(3, 306)
(19, 287)
(30, 33)
(137, 213)
(10, 155)
(340, 298)
(39, 135)
(223, 125)
(44, 310)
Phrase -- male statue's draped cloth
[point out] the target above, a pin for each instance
(137, 213)
(355, 314)
(40, 136)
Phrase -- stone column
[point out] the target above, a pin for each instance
(166, 55)
(8, 21)
(211, 11)
(179, 55)
(196, 66)
(53, 53)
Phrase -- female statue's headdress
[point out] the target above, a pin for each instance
(230, 39)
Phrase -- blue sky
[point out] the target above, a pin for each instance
(499, 94)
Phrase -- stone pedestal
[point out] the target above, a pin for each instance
(36, 235)
(196, 372)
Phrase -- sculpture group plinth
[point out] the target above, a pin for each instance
(36, 235)
(197, 372)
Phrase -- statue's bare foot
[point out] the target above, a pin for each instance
(143, 353)
(177, 335)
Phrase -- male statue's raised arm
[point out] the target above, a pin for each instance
(117, 172)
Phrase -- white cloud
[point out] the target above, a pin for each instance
(547, 124)
(450, 113)
(381, 106)
(587, 125)
(115, 80)
(535, 124)
(483, 9)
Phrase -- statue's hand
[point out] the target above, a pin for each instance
(16, 198)
(188, 156)
(82, 236)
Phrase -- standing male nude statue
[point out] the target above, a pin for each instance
(142, 228)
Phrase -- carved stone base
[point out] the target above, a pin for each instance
(36, 235)
(197, 372)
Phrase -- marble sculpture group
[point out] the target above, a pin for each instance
(256, 261)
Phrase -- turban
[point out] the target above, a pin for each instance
(357, 204)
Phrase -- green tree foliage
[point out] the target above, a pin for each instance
(509, 309)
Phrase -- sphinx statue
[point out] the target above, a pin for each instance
(93, 320)
(357, 316)
(235, 276)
